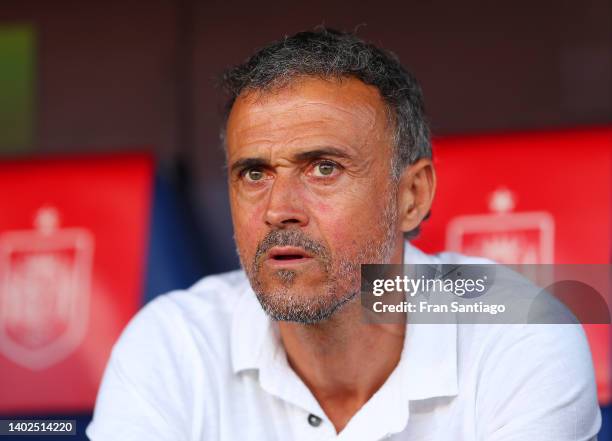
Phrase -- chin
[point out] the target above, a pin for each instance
(301, 307)
(301, 301)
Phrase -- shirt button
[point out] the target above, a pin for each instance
(314, 420)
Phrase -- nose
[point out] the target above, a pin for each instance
(285, 208)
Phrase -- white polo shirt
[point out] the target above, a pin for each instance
(207, 364)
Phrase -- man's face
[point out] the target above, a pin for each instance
(311, 193)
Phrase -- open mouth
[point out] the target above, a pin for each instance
(287, 257)
(288, 254)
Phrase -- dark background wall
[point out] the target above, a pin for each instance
(118, 74)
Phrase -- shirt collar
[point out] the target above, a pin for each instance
(427, 367)
(253, 339)
(429, 356)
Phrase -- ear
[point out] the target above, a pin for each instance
(417, 187)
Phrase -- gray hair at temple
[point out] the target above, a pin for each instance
(328, 53)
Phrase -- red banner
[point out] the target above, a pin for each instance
(72, 244)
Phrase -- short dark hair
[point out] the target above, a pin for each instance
(328, 53)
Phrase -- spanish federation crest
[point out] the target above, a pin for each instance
(503, 235)
(45, 276)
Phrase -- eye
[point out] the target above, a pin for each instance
(324, 169)
(254, 174)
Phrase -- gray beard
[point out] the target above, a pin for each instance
(282, 305)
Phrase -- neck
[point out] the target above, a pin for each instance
(344, 360)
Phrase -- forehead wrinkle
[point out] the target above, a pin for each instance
(364, 113)
(271, 129)
(293, 97)
(263, 117)
(289, 148)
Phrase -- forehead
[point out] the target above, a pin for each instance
(315, 110)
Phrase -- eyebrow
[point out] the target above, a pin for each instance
(245, 163)
(320, 152)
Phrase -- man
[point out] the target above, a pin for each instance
(329, 167)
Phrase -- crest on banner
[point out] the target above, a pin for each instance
(504, 235)
(45, 278)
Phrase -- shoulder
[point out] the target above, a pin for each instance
(214, 295)
(526, 379)
(537, 344)
(168, 361)
(174, 324)
(531, 377)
